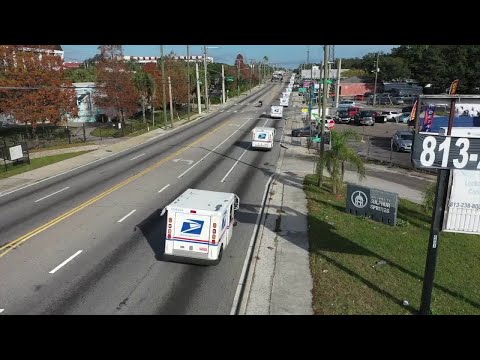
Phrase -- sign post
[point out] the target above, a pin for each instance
(443, 153)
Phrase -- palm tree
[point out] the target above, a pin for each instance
(340, 153)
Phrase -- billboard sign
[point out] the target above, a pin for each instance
(376, 204)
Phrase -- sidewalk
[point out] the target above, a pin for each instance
(279, 280)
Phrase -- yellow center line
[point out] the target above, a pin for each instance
(15, 243)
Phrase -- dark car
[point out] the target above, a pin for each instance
(343, 117)
(365, 118)
(402, 140)
(305, 131)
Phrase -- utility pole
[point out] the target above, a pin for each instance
(199, 103)
(376, 76)
(321, 162)
(238, 78)
(163, 87)
(251, 75)
(188, 82)
(223, 84)
(337, 92)
(205, 85)
(170, 97)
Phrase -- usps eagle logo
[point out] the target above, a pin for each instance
(190, 226)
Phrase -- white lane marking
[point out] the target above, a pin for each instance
(136, 157)
(236, 298)
(236, 162)
(66, 261)
(190, 162)
(235, 111)
(222, 110)
(2, 310)
(242, 111)
(211, 151)
(56, 192)
(163, 188)
(81, 166)
(265, 123)
(130, 213)
(228, 110)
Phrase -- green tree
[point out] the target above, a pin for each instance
(82, 74)
(340, 153)
(146, 86)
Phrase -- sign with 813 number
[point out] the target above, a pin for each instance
(446, 152)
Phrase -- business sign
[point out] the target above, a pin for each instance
(463, 206)
(376, 204)
(302, 90)
(446, 152)
(16, 152)
(470, 110)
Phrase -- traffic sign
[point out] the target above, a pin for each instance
(229, 78)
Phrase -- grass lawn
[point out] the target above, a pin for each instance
(35, 164)
(345, 249)
(64, 146)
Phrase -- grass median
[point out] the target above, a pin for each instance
(35, 164)
(360, 266)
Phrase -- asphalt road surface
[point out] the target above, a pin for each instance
(91, 240)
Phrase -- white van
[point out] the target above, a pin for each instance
(276, 111)
(262, 137)
(200, 224)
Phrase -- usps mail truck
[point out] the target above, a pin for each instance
(284, 102)
(200, 224)
(262, 138)
(276, 111)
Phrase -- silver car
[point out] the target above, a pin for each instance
(402, 141)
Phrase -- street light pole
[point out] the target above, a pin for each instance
(188, 82)
(205, 85)
(164, 87)
(223, 84)
(376, 76)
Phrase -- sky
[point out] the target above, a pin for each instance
(289, 56)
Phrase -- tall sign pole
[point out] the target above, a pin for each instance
(324, 110)
(438, 214)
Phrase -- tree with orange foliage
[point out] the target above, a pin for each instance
(176, 70)
(33, 85)
(116, 92)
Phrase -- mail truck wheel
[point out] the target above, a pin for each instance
(220, 255)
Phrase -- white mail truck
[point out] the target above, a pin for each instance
(276, 111)
(262, 138)
(200, 224)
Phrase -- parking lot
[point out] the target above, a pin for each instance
(376, 140)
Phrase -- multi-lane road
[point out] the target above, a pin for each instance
(90, 241)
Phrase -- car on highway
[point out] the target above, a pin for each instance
(402, 140)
